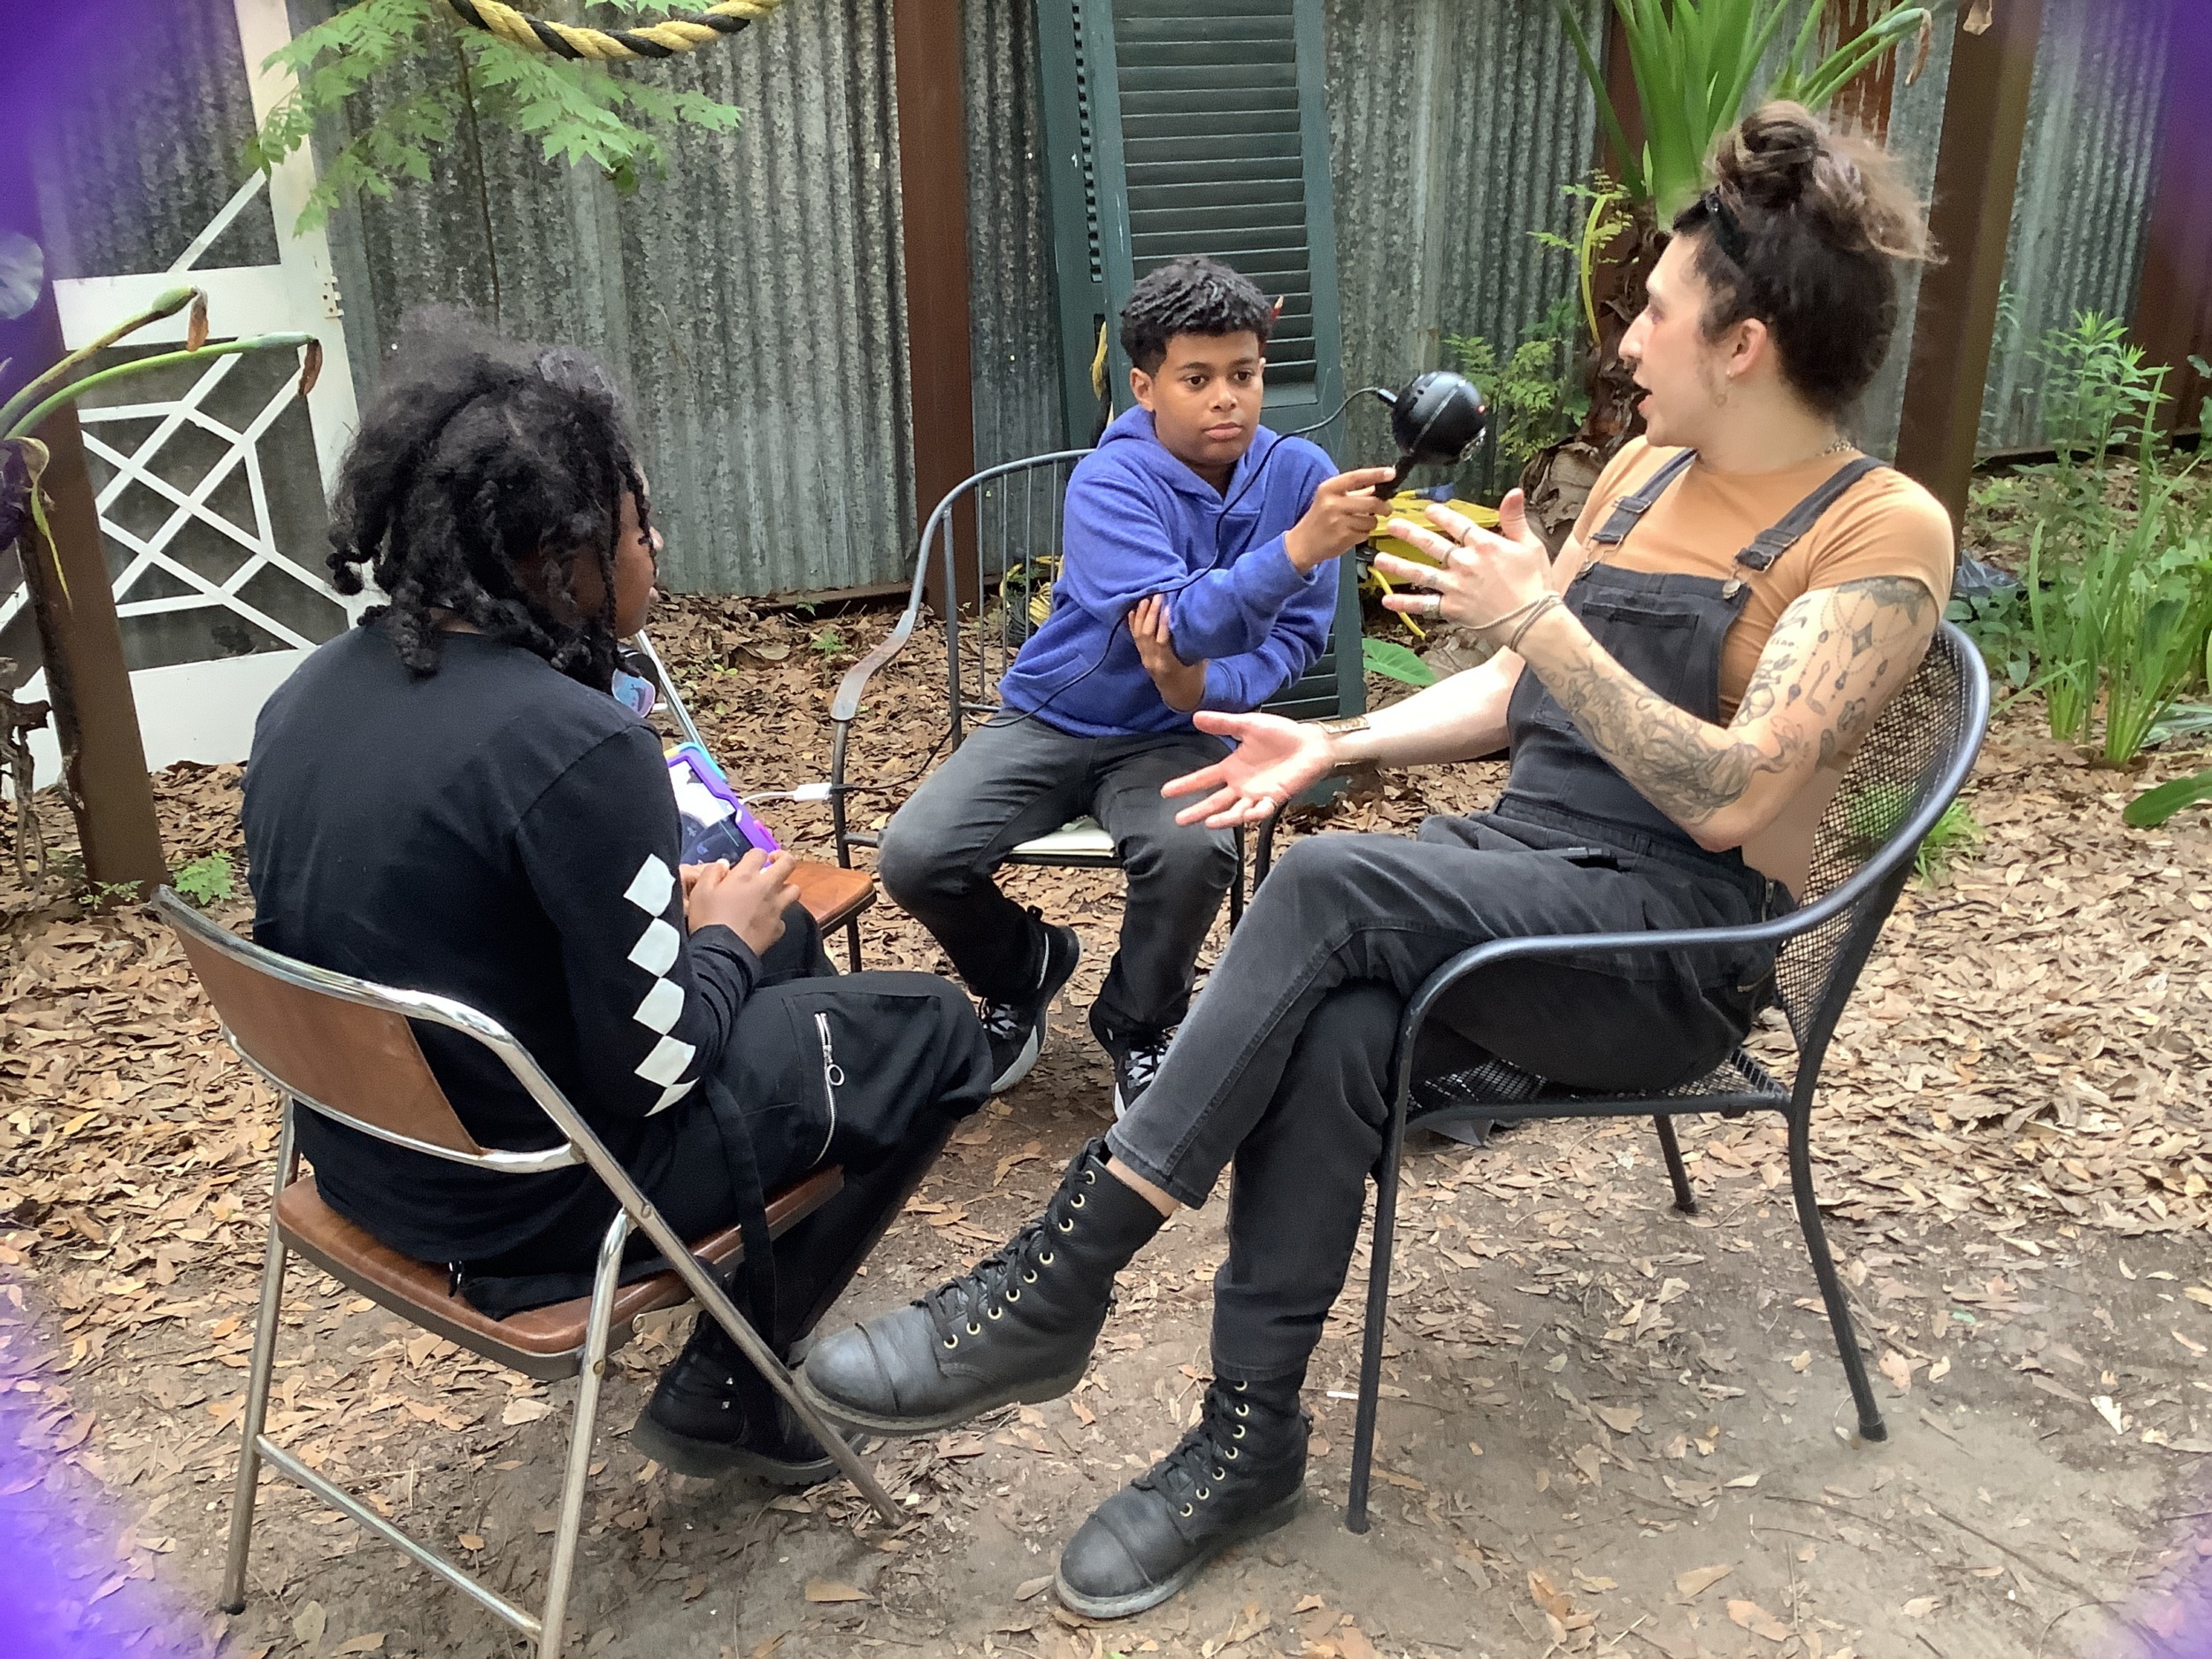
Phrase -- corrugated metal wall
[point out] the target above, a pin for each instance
(2086, 169)
(751, 300)
(1455, 124)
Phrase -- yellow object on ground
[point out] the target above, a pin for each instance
(1406, 505)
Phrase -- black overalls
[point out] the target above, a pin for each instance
(1282, 1067)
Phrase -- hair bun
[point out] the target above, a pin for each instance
(1769, 157)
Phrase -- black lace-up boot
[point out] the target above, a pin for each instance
(713, 1414)
(1018, 1325)
(1236, 1475)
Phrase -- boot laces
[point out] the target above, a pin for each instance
(959, 1308)
(1205, 1458)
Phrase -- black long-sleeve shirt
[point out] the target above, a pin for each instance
(500, 835)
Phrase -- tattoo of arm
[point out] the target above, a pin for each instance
(1833, 661)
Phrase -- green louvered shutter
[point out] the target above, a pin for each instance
(1178, 128)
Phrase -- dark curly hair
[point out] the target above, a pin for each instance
(1195, 295)
(1803, 229)
(482, 471)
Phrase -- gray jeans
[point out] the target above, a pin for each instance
(1014, 779)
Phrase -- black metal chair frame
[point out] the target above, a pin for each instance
(1000, 549)
(1843, 921)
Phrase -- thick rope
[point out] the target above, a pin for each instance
(664, 39)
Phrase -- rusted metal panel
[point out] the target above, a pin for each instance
(2087, 166)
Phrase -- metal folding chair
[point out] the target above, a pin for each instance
(1910, 767)
(343, 1048)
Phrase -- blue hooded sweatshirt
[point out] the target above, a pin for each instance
(1139, 522)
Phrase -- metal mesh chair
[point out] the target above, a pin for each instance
(343, 1048)
(1909, 769)
(1010, 517)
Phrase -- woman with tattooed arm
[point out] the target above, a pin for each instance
(1680, 688)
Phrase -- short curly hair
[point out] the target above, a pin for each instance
(1196, 296)
(483, 470)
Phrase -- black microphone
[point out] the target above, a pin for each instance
(1434, 421)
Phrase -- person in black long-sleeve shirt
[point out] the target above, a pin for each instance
(447, 798)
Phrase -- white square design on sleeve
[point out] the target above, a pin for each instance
(661, 1007)
(656, 947)
(665, 1064)
(650, 888)
(671, 1096)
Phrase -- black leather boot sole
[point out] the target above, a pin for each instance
(1258, 1525)
(1028, 1393)
(710, 1460)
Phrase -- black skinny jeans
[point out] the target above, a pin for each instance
(1283, 1066)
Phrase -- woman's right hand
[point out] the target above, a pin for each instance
(1274, 759)
(749, 897)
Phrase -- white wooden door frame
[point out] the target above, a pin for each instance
(206, 710)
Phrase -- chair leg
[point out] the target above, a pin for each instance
(852, 943)
(1236, 886)
(571, 1520)
(1685, 1200)
(1870, 1425)
(1378, 1314)
(264, 1334)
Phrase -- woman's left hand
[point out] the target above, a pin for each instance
(1486, 575)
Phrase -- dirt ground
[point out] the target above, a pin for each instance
(1609, 1428)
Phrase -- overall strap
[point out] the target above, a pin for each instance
(1629, 509)
(1769, 544)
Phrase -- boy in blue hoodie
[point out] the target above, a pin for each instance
(1198, 573)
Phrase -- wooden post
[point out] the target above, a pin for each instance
(104, 758)
(2173, 305)
(934, 203)
(1985, 115)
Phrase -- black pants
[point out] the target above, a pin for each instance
(1283, 1067)
(904, 1062)
(1015, 779)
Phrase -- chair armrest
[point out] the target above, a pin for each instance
(846, 704)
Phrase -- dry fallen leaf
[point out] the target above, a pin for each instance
(308, 1627)
(829, 1590)
(1920, 1606)
(2110, 1412)
(1798, 1362)
(370, 1643)
(1898, 1369)
(1032, 1586)
(521, 1411)
(471, 1541)
(1620, 1420)
(1758, 1621)
(1697, 1583)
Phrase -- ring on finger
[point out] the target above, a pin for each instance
(1436, 604)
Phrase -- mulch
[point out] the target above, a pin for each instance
(2024, 1058)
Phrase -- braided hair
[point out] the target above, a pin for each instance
(482, 473)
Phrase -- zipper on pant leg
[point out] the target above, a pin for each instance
(833, 1078)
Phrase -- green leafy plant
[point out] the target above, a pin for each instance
(1878, 811)
(1536, 393)
(1997, 625)
(105, 896)
(1603, 222)
(204, 881)
(1395, 661)
(2153, 807)
(1696, 64)
(829, 643)
(573, 111)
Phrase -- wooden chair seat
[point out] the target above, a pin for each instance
(544, 1342)
(833, 897)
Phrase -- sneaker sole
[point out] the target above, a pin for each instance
(1274, 1518)
(1023, 1062)
(709, 1460)
(1035, 1047)
(1029, 1394)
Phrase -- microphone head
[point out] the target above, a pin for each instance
(1438, 417)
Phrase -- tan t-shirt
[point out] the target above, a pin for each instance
(1884, 525)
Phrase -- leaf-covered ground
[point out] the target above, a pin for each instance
(1607, 1428)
